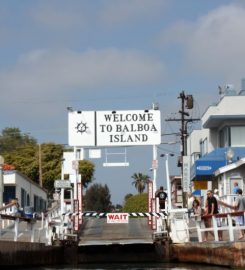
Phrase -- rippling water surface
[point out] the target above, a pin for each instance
(147, 266)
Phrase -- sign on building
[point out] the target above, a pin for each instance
(186, 174)
(111, 128)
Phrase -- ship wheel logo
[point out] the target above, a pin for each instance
(81, 127)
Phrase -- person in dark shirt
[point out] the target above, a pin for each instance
(211, 208)
(162, 195)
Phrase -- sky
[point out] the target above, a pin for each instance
(116, 55)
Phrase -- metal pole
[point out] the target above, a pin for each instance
(154, 170)
(168, 183)
(62, 202)
(1, 180)
(40, 165)
(76, 173)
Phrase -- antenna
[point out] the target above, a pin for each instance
(221, 90)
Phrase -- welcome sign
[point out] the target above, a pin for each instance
(128, 128)
(121, 128)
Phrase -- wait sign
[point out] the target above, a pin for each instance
(117, 217)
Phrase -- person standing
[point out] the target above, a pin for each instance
(219, 220)
(162, 195)
(235, 188)
(190, 200)
(197, 211)
(240, 206)
(211, 208)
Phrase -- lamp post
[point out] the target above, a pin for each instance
(1, 180)
(168, 179)
(229, 156)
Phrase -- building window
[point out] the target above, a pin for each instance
(23, 198)
(204, 147)
(232, 136)
(9, 193)
(224, 137)
(195, 156)
(237, 136)
(36, 203)
(28, 200)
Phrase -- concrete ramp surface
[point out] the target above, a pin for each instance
(96, 231)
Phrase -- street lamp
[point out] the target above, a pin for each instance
(229, 155)
(168, 179)
(1, 180)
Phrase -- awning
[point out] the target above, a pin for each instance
(197, 192)
(205, 167)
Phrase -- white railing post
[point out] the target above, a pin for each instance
(215, 228)
(42, 221)
(199, 233)
(16, 229)
(32, 226)
(230, 226)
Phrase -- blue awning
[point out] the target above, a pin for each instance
(197, 192)
(204, 168)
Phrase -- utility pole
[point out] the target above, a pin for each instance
(40, 165)
(186, 102)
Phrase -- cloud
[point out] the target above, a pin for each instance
(58, 15)
(123, 12)
(42, 83)
(42, 72)
(85, 15)
(213, 44)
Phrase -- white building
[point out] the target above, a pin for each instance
(28, 193)
(220, 143)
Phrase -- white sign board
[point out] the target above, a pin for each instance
(186, 174)
(81, 127)
(121, 128)
(94, 153)
(74, 178)
(117, 217)
(62, 184)
(128, 128)
(67, 162)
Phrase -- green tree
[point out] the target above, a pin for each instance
(26, 160)
(140, 181)
(86, 169)
(98, 198)
(12, 138)
(51, 156)
(136, 203)
(127, 196)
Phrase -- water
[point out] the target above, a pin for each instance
(123, 266)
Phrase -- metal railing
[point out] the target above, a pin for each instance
(15, 228)
(220, 222)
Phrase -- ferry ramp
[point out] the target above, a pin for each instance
(130, 242)
(96, 231)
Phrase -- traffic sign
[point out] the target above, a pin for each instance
(117, 217)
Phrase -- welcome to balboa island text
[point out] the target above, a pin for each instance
(128, 128)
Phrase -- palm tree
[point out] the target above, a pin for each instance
(140, 181)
